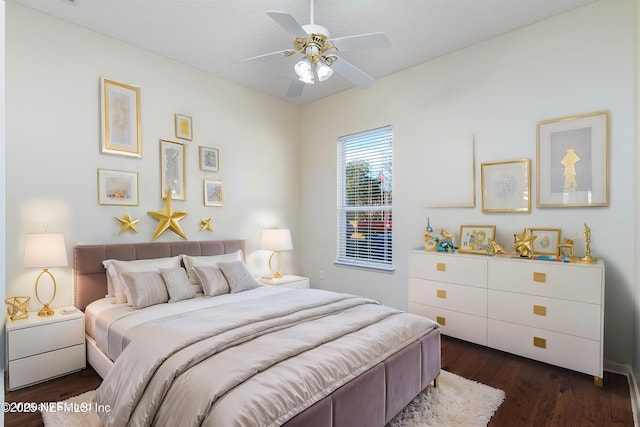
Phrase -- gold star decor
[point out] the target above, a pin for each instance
(524, 243)
(168, 219)
(128, 223)
(205, 224)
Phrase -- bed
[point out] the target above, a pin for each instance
(263, 356)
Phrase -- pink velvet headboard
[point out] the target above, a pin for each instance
(89, 275)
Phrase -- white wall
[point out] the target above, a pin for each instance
(578, 62)
(53, 71)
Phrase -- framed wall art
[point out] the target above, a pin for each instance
(573, 161)
(117, 187)
(546, 241)
(209, 159)
(213, 193)
(506, 186)
(172, 172)
(120, 107)
(475, 238)
(184, 127)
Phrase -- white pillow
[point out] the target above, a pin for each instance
(145, 288)
(208, 260)
(117, 267)
(238, 276)
(178, 284)
(212, 280)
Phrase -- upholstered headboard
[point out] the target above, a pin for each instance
(89, 275)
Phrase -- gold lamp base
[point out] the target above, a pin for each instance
(276, 274)
(46, 310)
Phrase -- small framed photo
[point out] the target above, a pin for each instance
(184, 127)
(475, 238)
(117, 187)
(209, 159)
(573, 161)
(172, 164)
(546, 241)
(120, 106)
(506, 186)
(213, 193)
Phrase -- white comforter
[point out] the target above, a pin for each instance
(256, 362)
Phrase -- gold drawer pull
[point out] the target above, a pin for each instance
(539, 342)
(441, 320)
(540, 310)
(441, 293)
(539, 277)
(441, 266)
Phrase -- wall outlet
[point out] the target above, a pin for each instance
(321, 275)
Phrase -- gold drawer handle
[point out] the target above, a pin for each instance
(441, 320)
(441, 266)
(539, 277)
(441, 293)
(539, 342)
(540, 310)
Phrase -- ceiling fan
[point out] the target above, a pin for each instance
(320, 52)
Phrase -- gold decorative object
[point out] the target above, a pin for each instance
(17, 307)
(355, 234)
(168, 219)
(495, 248)
(128, 223)
(568, 244)
(45, 250)
(445, 241)
(524, 243)
(587, 237)
(430, 242)
(205, 224)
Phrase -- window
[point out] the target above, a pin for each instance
(365, 183)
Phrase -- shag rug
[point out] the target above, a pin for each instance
(455, 402)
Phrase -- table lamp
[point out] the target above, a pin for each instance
(276, 240)
(45, 250)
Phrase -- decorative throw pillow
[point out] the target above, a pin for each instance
(145, 288)
(208, 260)
(238, 276)
(178, 284)
(115, 268)
(212, 280)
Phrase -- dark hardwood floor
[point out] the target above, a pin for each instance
(536, 394)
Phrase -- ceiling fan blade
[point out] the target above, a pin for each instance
(352, 73)
(295, 88)
(269, 56)
(362, 42)
(289, 24)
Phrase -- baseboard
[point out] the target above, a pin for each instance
(634, 391)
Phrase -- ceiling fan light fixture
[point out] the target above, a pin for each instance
(304, 70)
(323, 70)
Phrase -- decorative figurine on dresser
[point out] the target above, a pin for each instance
(441, 243)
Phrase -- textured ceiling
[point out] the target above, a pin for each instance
(213, 35)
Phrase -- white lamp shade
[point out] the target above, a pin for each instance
(276, 240)
(45, 250)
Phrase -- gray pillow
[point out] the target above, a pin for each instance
(212, 280)
(178, 284)
(145, 288)
(238, 276)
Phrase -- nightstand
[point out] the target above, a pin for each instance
(288, 281)
(41, 348)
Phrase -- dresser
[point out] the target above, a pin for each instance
(544, 310)
(41, 348)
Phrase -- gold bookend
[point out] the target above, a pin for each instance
(17, 307)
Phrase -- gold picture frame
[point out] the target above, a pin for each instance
(506, 186)
(209, 159)
(184, 127)
(117, 187)
(474, 239)
(120, 106)
(172, 169)
(213, 192)
(546, 241)
(573, 161)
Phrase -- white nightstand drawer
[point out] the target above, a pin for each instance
(44, 337)
(451, 268)
(453, 323)
(34, 369)
(465, 299)
(286, 281)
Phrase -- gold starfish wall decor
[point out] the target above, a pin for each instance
(168, 219)
(205, 224)
(127, 223)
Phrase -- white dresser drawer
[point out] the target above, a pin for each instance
(567, 351)
(453, 323)
(466, 299)
(41, 338)
(567, 317)
(576, 282)
(452, 268)
(34, 369)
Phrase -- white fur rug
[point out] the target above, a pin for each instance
(455, 402)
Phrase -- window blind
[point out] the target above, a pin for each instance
(365, 198)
